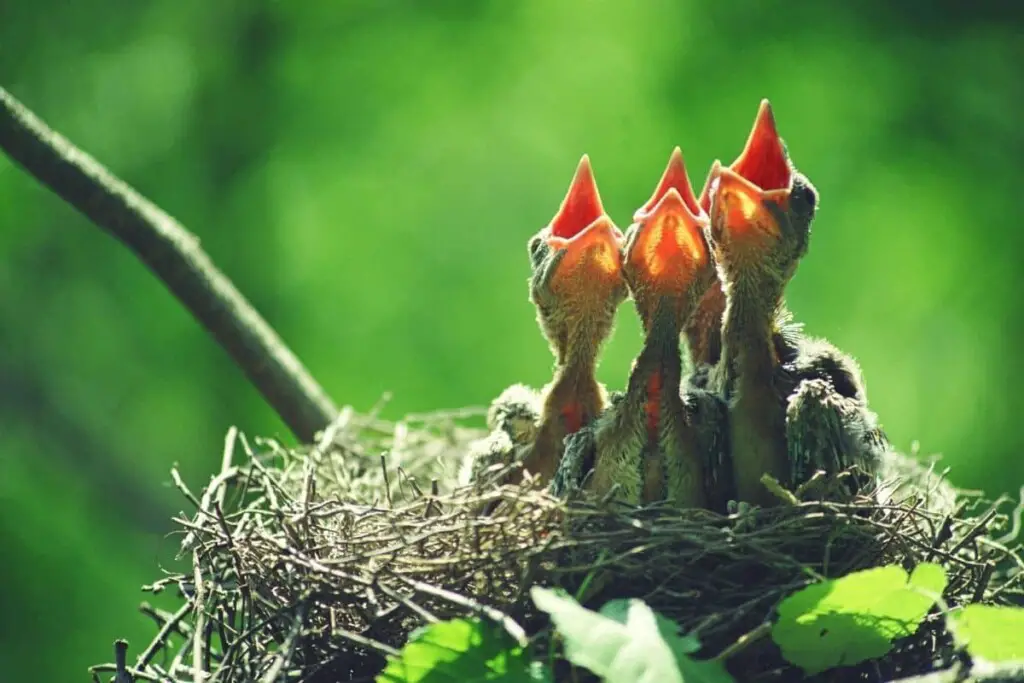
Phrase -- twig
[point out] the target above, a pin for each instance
(945, 532)
(368, 643)
(199, 623)
(387, 480)
(975, 531)
(142, 675)
(183, 487)
(162, 635)
(160, 585)
(243, 584)
(983, 580)
(1007, 585)
(284, 653)
(121, 674)
(777, 489)
(514, 629)
(421, 612)
(225, 462)
(210, 494)
(1014, 532)
(161, 617)
(744, 641)
(320, 450)
(175, 257)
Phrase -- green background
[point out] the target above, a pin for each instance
(368, 174)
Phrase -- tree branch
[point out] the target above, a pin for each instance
(174, 255)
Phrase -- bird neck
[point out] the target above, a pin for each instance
(748, 322)
(577, 340)
(658, 369)
(573, 397)
(704, 328)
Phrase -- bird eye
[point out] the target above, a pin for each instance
(805, 193)
(536, 249)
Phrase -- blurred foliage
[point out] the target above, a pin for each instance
(368, 174)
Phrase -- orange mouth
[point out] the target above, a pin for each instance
(596, 247)
(763, 163)
(738, 205)
(584, 231)
(581, 206)
(669, 243)
(669, 246)
(763, 160)
(674, 176)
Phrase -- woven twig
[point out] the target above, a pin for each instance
(316, 564)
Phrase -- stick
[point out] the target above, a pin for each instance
(161, 637)
(744, 641)
(175, 257)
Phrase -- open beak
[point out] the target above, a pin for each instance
(738, 205)
(584, 231)
(763, 163)
(668, 246)
(734, 196)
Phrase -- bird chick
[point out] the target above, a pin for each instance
(830, 427)
(804, 357)
(758, 231)
(512, 425)
(650, 444)
(704, 329)
(796, 404)
(828, 424)
(576, 286)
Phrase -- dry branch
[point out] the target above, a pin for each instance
(175, 257)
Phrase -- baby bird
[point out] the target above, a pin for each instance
(512, 423)
(761, 162)
(828, 424)
(796, 405)
(650, 443)
(758, 162)
(806, 358)
(830, 427)
(576, 286)
(758, 231)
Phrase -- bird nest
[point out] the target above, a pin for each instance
(315, 564)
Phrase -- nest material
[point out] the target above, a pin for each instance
(314, 564)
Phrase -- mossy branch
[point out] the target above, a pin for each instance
(175, 257)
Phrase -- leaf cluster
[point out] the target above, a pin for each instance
(829, 624)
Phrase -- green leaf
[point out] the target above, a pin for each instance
(461, 650)
(626, 642)
(990, 633)
(845, 621)
(618, 610)
(682, 646)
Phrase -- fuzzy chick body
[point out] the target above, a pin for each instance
(796, 404)
(576, 286)
(651, 443)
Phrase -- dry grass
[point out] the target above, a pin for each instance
(314, 564)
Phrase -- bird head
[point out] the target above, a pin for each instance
(666, 259)
(760, 209)
(577, 269)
